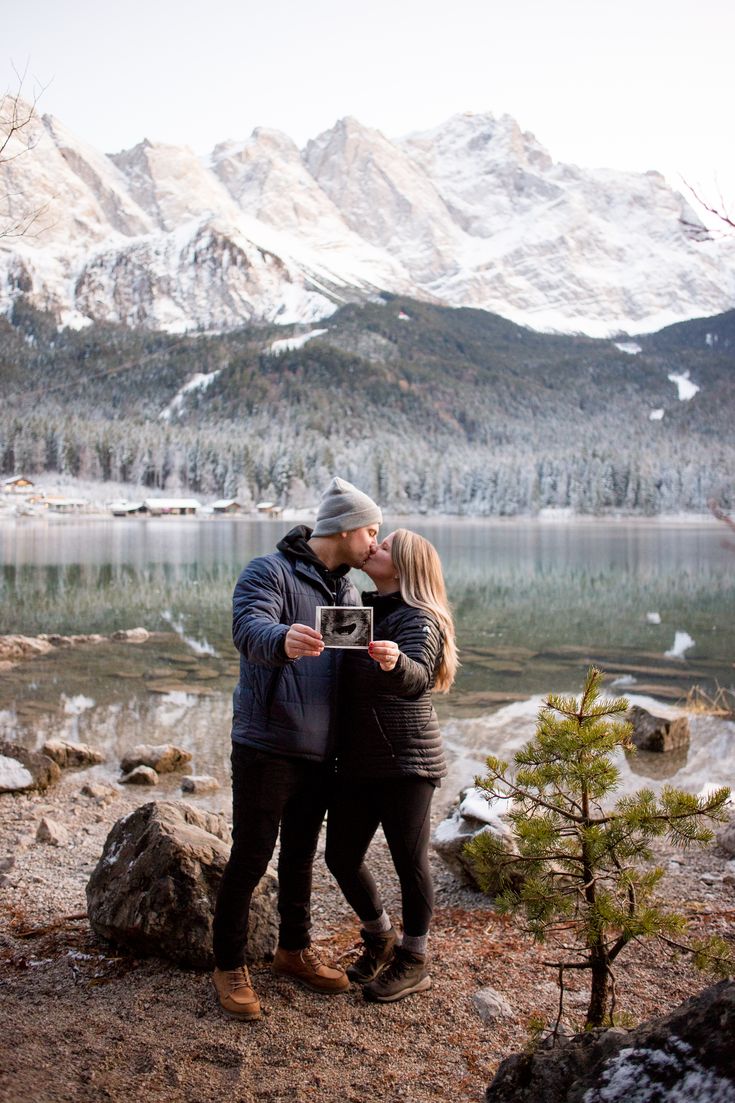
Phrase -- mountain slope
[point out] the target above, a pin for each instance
(429, 408)
(473, 213)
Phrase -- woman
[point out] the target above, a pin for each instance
(390, 759)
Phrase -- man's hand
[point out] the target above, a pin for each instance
(300, 640)
(384, 652)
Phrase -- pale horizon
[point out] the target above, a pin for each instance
(634, 86)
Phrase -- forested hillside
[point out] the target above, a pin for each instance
(426, 407)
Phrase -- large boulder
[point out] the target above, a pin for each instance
(472, 816)
(164, 758)
(655, 733)
(22, 770)
(154, 889)
(686, 1055)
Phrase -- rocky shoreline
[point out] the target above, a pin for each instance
(82, 1021)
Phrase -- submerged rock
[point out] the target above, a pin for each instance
(131, 635)
(655, 733)
(686, 1055)
(140, 775)
(163, 758)
(22, 770)
(67, 754)
(199, 784)
(154, 888)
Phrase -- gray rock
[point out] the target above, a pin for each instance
(22, 770)
(164, 758)
(472, 816)
(66, 754)
(491, 1005)
(655, 733)
(51, 832)
(198, 784)
(140, 775)
(154, 888)
(690, 1050)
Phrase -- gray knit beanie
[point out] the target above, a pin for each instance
(343, 508)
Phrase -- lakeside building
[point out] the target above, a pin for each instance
(227, 505)
(17, 484)
(179, 507)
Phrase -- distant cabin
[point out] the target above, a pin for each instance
(127, 509)
(18, 484)
(158, 507)
(270, 509)
(67, 505)
(227, 505)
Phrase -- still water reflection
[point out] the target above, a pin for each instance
(534, 604)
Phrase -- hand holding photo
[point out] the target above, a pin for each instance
(344, 625)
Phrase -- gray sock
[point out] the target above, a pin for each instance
(415, 944)
(379, 925)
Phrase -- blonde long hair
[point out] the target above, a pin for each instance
(422, 585)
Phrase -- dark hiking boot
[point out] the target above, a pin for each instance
(407, 973)
(377, 952)
(236, 996)
(307, 968)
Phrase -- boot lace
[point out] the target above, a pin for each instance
(311, 957)
(238, 978)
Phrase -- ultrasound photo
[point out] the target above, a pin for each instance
(344, 625)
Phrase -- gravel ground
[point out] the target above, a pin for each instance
(79, 1024)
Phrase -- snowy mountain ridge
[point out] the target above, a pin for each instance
(472, 213)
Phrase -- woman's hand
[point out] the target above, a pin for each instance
(385, 652)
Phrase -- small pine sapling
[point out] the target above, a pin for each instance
(585, 863)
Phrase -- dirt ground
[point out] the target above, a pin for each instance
(78, 1023)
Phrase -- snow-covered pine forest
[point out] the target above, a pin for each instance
(427, 408)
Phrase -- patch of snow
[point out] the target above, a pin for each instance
(631, 347)
(198, 382)
(673, 1074)
(290, 344)
(653, 618)
(73, 319)
(624, 680)
(402, 317)
(13, 774)
(656, 415)
(682, 642)
(73, 706)
(199, 647)
(686, 388)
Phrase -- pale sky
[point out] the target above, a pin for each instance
(629, 84)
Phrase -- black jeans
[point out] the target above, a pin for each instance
(268, 792)
(403, 806)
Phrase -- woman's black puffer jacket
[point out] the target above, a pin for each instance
(387, 723)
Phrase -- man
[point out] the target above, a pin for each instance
(283, 739)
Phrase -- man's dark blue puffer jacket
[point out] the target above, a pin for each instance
(280, 705)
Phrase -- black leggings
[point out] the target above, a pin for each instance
(402, 806)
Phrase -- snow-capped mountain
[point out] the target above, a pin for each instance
(472, 213)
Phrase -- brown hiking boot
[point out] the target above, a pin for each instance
(377, 952)
(307, 967)
(407, 973)
(235, 993)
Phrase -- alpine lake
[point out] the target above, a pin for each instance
(651, 603)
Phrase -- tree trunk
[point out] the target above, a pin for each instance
(597, 1011)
